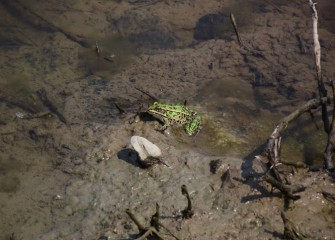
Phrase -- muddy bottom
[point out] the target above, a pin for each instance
(73, 76)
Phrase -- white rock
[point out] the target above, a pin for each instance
(144, 147)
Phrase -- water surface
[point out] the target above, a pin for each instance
(89, 56)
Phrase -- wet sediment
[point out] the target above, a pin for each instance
(68, 181)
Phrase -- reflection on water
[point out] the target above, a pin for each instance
(305, 141)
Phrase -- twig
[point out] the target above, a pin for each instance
(155, 219)
(317, 48)
(188, 211)
(160, 224)
(330, 197)
(47, 103)
(135, 220)
(329, 128)
(148, 232)
(287, 190)
(317, 53)
(99, 52)
(302, 44)
(330, 148)
(311, 104)
(290, 231)
(155, 224)
(148, 94)
(272, 149)
(121, 111)
(232, 18)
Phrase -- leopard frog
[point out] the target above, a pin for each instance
(176, 114)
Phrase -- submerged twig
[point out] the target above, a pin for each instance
(109, 58)
(302, 44)
(148, 94)
(232, 18)
(47, 103)
(121, 111)
(188, 211)
(44, 114)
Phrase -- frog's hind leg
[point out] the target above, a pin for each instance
(163, 129)
(193, 127)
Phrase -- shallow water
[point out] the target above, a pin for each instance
(66, 180)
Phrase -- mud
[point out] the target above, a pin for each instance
(74, 179)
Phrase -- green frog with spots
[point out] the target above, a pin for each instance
(176, 114)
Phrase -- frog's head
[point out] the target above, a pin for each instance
(154, 106)
(193, 127)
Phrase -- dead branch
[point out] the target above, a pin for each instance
(287, 190)
(329, 128)
(273, 145)
(140, 227)
(311, 104)
(272, 150)
(144, 232)
(330, 148)
(317, 48)
(317, 54)
(155, 225)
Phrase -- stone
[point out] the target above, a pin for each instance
(145, 148)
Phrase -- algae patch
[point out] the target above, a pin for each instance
(219, 138)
